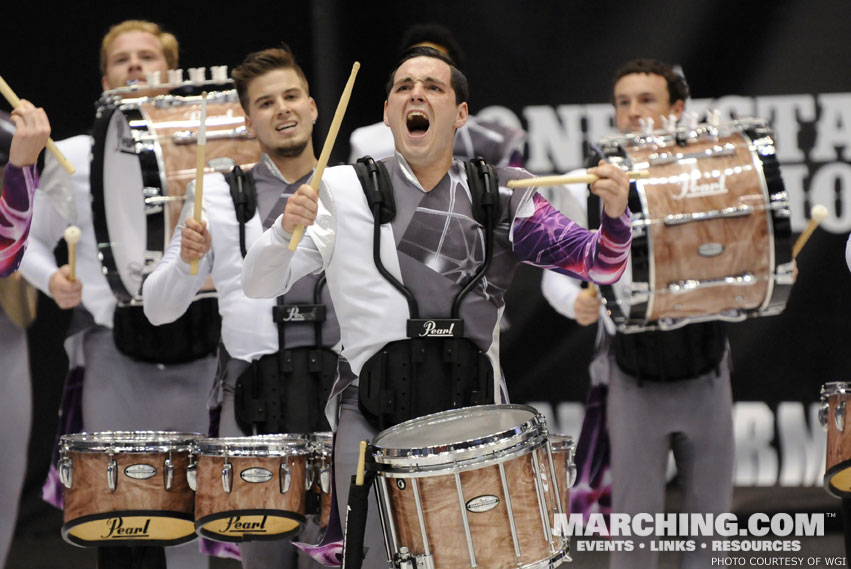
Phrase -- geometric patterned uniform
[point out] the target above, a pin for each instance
(433, 246)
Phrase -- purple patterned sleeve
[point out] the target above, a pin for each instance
(549, 240)
(15, 215)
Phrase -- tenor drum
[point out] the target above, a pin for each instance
(144, 155)
(563, 450)
(470, 487)
(251, 488)
(835, 397)
(127, 488)
(711, 227)
(320, 473)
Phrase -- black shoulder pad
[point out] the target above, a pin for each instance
(484, 189)
(243, 192)
(367, 171)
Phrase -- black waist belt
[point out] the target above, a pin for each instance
(415, 377)
(675, 355)
(192, 336)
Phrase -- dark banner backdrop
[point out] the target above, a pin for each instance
(547, 65)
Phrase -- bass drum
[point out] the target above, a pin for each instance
(711, 228)
(144, 155)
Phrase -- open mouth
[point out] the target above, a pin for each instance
(417, 123)
(286, 127)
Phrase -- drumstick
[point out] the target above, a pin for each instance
(199, 171)
(51, 146)
(541, 181)
(361, 464)
(817, 215)
(329, 144)
(72, 236)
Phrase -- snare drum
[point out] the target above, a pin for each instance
(711, 227)
(470, 487)
(127, 488)
(144, 155)
(835, 398)
(251, 488)
(320, 473)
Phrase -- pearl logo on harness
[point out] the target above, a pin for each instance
(299, 313)
(446, 328)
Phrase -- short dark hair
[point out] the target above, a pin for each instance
(677, 86)
(456, 79)
(436, 34)
(261, 62)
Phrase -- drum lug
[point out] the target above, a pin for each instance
(192, 476)
(285, 478)
(839, 416)
(168, 473)
(112, 474)
(325, 480)
(66, 471)
(404, 560)
(570, 469)
(311, 476)
(227, 477)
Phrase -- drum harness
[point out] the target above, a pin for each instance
(436, 368)
(284, 392)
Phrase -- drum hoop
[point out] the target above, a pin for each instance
(835, 388)
(560, 442)
(278, 445)
(511, 441)
(129, 441)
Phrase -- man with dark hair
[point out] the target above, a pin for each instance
(496, 143)
(119, 391)
(435, 249)
(280, 113)
(654, 408)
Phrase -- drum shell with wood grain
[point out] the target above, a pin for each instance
(150, 501)
(485, 469)
(264, 497)
(711, 227)
(834, 414)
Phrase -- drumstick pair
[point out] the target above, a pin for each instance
(51, 146)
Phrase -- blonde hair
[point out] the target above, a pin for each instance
(167, 41)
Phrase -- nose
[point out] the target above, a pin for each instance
(634, 109)
(417, 91)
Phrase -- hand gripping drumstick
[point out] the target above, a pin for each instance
(51, 146)
(72, 236)
(329, 144)
(817, 215)
(199, 172)
(541, 181)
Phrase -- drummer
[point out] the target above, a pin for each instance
(118, 391)
(281, 113)
(666, 390)
(431, 247)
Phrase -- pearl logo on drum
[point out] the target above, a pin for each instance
(481, 504)
(690, 187)
(140, 471)
(116, 530)
(255, 475)
(236, 525)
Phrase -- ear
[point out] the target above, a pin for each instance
(461, 117)
(314, 112)
(678, 108)
(104, 82)
(249, 125)
(387, 122)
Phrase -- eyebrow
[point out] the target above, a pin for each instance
(270, 95)
(428, 79)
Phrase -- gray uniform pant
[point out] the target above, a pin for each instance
(120, 393)
(15, 419)
(694, 419)
(352, 428)
(280, 554)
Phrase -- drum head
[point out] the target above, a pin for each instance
(128, 441)
(471, 433)
(259, 445)
(127, 528)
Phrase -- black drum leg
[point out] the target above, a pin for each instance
(133, 557)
